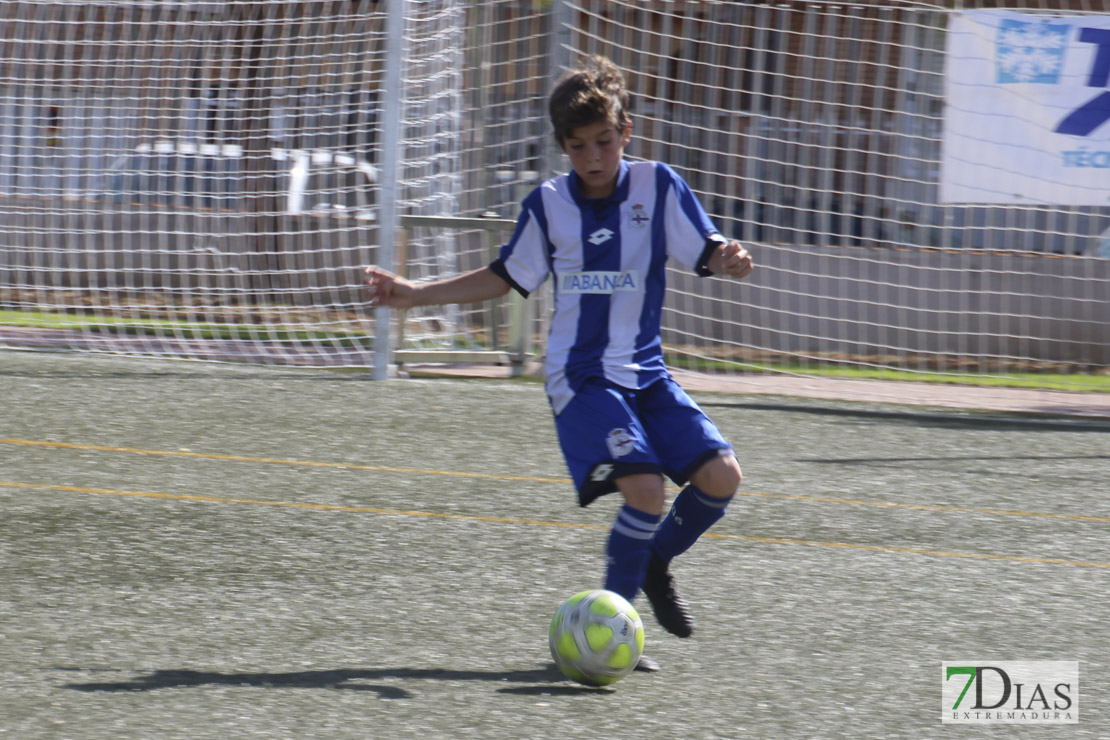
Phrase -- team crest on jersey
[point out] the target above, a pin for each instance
(620, 442)
(637, 217)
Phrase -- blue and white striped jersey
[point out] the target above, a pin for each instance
(607, 257)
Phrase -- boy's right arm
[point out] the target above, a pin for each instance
(394, 291)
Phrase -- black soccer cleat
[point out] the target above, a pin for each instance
(671, 610)
(647, 665)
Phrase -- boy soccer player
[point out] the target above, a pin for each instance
(604, 231)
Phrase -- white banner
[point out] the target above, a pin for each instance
(1027, 114)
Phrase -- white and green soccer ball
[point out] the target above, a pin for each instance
(596, 637)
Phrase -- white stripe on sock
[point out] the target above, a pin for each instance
(711, 501)
(634, 527)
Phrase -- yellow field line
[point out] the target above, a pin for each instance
(280, 461)
(912, 551)
(924, 507)
(538, 479)
(546, 523)
(294, 505)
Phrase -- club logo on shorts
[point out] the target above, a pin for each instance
(620, 442)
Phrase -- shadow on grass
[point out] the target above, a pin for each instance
(549, 679)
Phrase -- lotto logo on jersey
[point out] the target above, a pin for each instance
(600, 281)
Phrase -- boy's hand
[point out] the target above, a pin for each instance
(387, 289)
(731, 259)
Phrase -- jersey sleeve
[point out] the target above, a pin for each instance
(690, 234)
(524, 262)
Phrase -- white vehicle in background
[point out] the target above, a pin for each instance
(1100, 245)
(210, 176)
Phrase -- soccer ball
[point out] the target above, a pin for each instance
(596, 637)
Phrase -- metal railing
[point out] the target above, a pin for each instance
(517, 349)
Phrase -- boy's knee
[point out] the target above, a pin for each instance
(643, 491)
(720, 477)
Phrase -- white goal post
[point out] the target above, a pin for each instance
(205, 180)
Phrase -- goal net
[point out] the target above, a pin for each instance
(201, 179)
(814, 132)
(204, 179)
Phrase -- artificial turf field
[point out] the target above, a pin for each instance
(215, 551)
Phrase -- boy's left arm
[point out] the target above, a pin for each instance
(732, 259)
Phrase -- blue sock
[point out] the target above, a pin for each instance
(692, 513)
(628, 550)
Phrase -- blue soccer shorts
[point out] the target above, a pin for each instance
(607, 432)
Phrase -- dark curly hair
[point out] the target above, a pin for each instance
(587, 94)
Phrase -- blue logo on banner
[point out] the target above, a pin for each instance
(1086, 118)
(1030, 52)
